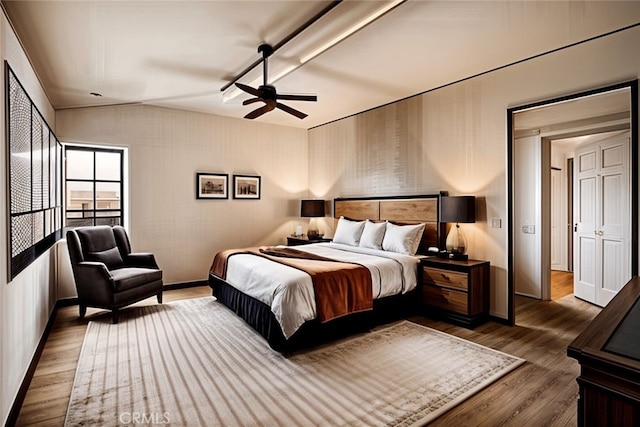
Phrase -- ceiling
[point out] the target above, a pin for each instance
(179, 54)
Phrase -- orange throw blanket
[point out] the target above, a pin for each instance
(340, 287)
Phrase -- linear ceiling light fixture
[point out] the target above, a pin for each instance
(351, 30)
(284, 41)
(378, 13)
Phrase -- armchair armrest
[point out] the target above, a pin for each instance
(142, 260)
(94, 281)
(93, 270)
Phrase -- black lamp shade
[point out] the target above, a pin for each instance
(312, 208)
(458, 209)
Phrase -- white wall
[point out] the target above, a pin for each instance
(27, 301)
(166, 148)
(456, 139)
(527, 216)
(560, 207)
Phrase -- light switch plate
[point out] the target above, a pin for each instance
(496, 223)
(529, 229)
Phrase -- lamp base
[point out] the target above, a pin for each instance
(458, 257)
(455, 256)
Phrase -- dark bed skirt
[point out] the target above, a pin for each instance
(260, 317)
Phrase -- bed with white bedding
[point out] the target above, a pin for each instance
(279, 300)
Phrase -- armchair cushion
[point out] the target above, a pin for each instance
(110, 257)
(131, 277)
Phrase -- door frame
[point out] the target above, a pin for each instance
(633, 86)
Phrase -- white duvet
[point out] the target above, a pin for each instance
(289, 291)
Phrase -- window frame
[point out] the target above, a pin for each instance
(94, 212)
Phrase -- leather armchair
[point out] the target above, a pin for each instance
(106, 273)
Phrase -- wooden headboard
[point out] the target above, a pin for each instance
(400, 210)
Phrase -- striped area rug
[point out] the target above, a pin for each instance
(194, 362)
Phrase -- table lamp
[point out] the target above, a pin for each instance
(312, 208)
(457, 209)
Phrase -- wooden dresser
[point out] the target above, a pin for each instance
(608, 351)
(458, 291)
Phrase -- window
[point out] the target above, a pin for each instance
(94, 185)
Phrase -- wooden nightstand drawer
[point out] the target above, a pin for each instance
(448, 278)
(447, 299)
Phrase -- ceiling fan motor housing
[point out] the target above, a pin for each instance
(266, 50)
(268, 92)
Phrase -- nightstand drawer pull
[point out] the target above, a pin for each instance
(451, 279)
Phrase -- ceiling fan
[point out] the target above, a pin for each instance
(267, 93)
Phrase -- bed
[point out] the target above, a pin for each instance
(272, 289)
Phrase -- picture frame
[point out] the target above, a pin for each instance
(246, 187)
(212, 185)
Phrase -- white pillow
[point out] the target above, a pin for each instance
(348, 232)
(372, 235)
(403, 239)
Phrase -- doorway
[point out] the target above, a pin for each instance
(571, 116)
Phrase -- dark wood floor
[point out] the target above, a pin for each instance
(543, 392)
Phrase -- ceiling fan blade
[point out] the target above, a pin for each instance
(268, 106)
(251, 101)
(293, 111)
(292, 97)
(249, 89)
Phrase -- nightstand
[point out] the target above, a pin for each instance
(304, 240)
(457, 291)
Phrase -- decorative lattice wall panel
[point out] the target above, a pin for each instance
(34, 165)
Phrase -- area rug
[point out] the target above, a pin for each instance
(194, 362)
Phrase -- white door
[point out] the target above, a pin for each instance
(602, 219)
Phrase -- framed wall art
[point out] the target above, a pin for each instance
(246, 187)
(212, 185)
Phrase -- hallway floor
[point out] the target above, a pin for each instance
(561, 284)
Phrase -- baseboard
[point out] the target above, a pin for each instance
(67, 302)
(14, 412)
(184, 285)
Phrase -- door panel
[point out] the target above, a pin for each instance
(587, 161)
(584, 275)
(612, 156)
(586, 214)
(612, 223)
(612, 266)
